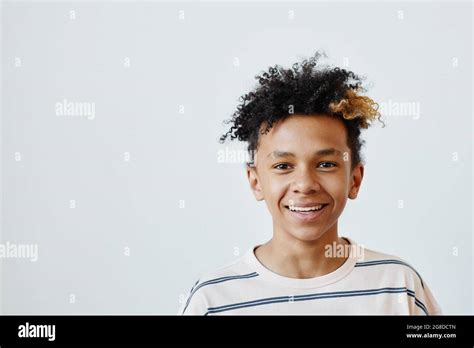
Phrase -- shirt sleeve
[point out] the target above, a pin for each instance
(425, 301)
(196, 302)
(431, 304)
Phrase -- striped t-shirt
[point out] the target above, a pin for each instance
(369, 282)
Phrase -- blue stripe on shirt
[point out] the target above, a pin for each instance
(216, 281)
(385, 262)
(316, 296)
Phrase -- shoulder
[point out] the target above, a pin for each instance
(209, 284)
(398, 272)
(383, 262)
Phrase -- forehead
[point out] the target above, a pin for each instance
(304, 133)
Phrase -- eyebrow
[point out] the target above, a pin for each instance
(322, 152)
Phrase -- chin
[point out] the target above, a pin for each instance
(307, 234)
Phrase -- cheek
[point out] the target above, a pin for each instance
(339, 191)
(274, 190)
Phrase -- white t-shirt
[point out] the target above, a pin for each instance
(369, 282)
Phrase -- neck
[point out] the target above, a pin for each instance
(296, 258)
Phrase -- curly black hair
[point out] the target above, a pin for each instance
(306, 89)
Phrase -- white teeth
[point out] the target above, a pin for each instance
(318, 207)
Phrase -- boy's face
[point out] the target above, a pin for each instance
(289, 171)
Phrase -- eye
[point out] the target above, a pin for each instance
(330, 164)
(282, 166)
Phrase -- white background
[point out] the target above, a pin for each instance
(420, 53)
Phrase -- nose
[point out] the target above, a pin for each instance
(305, 181)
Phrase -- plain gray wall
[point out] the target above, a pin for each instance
(178, 210)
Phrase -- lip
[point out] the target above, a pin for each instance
(307, 216)
(304, 205)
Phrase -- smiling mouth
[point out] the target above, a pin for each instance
(306, 209)
(306, 214)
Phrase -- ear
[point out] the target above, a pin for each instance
(254, 181)
(356, 181)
